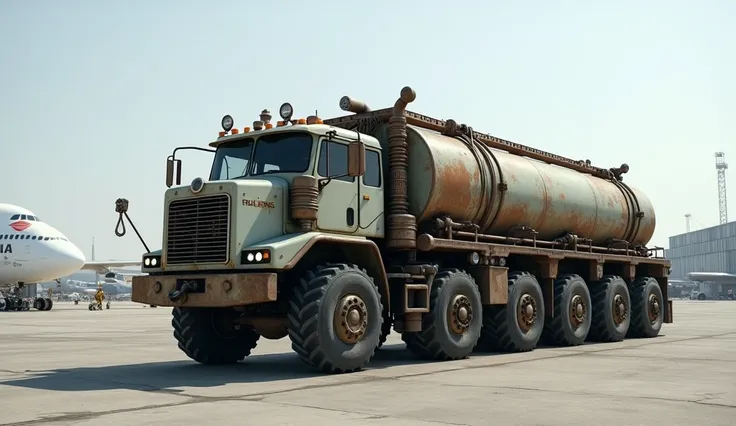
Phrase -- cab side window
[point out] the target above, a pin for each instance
(338, 155)
(372, 176)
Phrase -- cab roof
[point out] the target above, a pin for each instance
(318, 129)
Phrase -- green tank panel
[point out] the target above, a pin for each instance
(500, 190)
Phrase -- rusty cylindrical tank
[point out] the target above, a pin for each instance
(446, 177)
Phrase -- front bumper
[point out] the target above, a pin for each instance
(215, 290)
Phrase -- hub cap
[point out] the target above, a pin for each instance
(654, 308)
(527, 312)
(351, 319)
(577, 311)
(459, 314)
(619, 309)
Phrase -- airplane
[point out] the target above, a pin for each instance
(32, 251)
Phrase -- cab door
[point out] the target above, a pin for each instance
(338, 198)
(371, 196)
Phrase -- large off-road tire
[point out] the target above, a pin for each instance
(647, 308)
(572, 312)
(388, 322)
(335, 318)
(208, 335)
(611, 310)
(502, 330)
(451, 329)
(40, 304)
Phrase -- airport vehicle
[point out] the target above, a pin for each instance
(32, 251)
(333, 231)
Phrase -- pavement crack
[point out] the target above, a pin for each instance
(366, 416)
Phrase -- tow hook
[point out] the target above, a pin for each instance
(186, 287)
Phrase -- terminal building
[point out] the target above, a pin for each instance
(704, 261)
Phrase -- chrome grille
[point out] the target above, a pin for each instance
(198, 230)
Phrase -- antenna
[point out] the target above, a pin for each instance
(721, 167)
(687, 222)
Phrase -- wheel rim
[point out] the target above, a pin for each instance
(654, 308)
(527, 312)
(578, 311)
(619, 309)
(351, 319)
(223, 325)
(459, 314)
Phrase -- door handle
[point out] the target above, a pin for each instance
(350, 216)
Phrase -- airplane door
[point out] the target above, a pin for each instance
(338, 200)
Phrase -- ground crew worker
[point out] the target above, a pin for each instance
(99, 297)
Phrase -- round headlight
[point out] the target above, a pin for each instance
(196, 185)
(153, 262)
(259, 257)
(286, 111)
(147, 261)
(227, 123)
(250, 257)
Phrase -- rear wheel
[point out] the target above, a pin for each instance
(647, 308)
(611, 310)
(452, 327)
(516, 326)
(572, 308)
(335, 318)
(210, 335)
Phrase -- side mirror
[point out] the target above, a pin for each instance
(356, 159)
(173, 166)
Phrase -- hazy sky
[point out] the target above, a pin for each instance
(94, 95)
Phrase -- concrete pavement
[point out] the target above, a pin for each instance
(122, 367)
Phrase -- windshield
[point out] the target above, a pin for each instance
(232, 160)
(282, 153)
(276, 153)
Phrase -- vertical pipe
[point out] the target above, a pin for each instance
(402, 227)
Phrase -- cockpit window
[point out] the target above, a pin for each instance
(15, 217)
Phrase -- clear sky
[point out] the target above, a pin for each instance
(95, 94)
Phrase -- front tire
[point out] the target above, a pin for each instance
(388, 322)
(452, 327)
(40, 304)
(209, 336)
(335, 318)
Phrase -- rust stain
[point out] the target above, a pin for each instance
(562, 196)
(453, 190)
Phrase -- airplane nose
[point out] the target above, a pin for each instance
(71, 258)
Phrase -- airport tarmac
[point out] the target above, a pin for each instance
(122, 367)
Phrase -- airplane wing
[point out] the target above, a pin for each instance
(104, 267)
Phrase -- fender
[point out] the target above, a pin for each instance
(359, 251)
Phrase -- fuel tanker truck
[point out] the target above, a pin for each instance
(334, 232)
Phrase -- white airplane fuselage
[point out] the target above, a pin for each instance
(33, 251)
